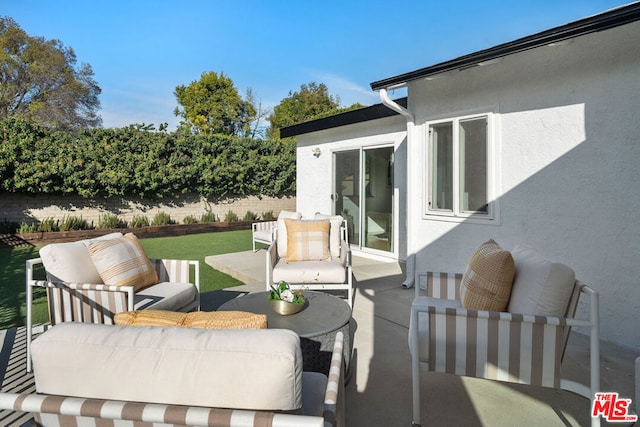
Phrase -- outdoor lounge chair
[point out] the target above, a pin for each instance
(75, 292)
(506, 345)
(291, 256)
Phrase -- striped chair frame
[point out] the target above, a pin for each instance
(99, 303)
(501, 346)
(62, 411)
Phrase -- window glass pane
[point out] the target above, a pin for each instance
(473, 165)
(442, 168)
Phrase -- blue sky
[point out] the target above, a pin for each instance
(141, 50)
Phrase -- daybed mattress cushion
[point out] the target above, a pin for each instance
(70, 262)
(310, 272)
(241, 369)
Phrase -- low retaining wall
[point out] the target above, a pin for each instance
(43, 238)
(34, 208)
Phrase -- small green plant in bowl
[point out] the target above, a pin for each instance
(284, 300)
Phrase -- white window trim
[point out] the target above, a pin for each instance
(493, 210)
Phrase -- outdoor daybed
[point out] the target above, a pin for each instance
(89, 374)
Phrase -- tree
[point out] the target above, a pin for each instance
(39, 81)
(257, 129)
(311, 101)
(212, 105)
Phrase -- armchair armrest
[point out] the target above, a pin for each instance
(334, 396)
(345, 253)
(271, 259)
(439, 285)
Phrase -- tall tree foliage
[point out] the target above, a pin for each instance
(40, 81)
(310, 102)
(212, 105)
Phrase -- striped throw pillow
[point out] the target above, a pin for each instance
(122, 262)
(307, 240)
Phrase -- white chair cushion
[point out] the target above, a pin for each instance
(540, 287)
(310, 272)
(334, 235)
(242, 368)
(165, 296)
(281, 231)
(70, 262)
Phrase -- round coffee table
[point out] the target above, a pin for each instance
(316, 324)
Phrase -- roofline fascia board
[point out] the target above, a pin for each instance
(604, 21)
(372, 112)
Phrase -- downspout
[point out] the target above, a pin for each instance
(411, 257)
(384, 97)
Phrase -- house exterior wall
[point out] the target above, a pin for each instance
(568, 120)
(314, 180)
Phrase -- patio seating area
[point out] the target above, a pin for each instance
(379, 389)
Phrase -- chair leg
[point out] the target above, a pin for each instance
(415, 370)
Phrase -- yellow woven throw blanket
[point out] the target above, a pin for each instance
(196, 319)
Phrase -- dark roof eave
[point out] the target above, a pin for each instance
(606, 20)
(373, 112)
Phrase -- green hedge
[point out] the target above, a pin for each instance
(137, 161)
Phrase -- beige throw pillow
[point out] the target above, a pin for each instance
(122, 262)
(487, 282)
(307, 240)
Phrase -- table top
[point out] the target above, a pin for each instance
(322, 314)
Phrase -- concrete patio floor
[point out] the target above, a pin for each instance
(379, 391)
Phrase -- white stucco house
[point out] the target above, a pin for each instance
(535, 141)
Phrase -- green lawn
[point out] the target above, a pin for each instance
(194, 246)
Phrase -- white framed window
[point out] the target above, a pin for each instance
(460, 164)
